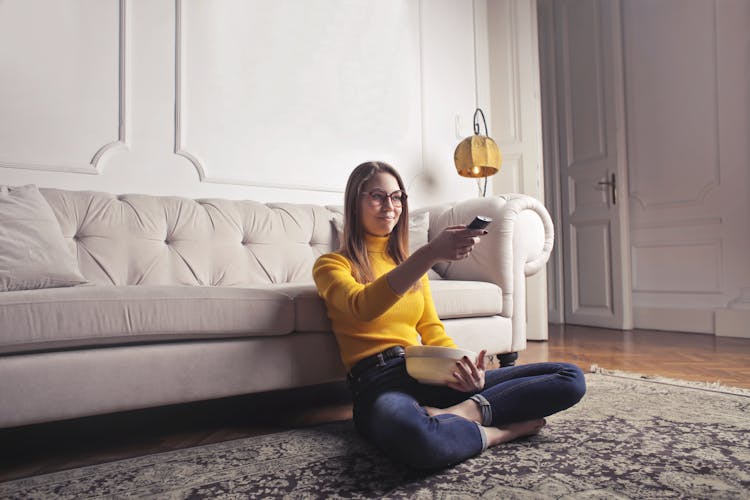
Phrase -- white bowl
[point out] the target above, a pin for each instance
(434, 364)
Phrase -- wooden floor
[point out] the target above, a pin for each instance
(39, 449)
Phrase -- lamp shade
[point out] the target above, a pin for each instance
(477, 156)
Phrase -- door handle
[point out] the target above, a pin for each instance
(613, 187)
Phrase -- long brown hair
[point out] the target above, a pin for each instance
(353, 246)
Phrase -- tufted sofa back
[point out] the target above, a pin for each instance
(160, 240)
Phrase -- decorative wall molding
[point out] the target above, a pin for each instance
(93, 166)
(178, 111)
(734, 320)
(671, 250)
(122, 140)
(742, 301)
(732, 323)
(181, 147)
(698, 198)
(674, 319)
(699, 221)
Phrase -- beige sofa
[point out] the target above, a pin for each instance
(188, 300)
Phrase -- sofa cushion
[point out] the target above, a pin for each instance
(464, 299)
(134, 239)
(453, 299)
(310, 313)
(33, 253)
(32, 320)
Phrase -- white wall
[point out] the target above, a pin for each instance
(271, 100)
(267, 100)
(688, 115)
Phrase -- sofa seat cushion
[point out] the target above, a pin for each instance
(310, 313)
(32, 320)
(465, 299)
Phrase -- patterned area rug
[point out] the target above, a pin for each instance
(630, 437)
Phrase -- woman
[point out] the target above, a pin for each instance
(378, 299)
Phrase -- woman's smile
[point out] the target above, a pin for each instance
(379, 215)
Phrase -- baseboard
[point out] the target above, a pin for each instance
(733, 323)
(673, 319)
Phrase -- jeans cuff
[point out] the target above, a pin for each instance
(484, 407)
(485, 443)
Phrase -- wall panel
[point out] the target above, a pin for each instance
(263, 99)
(264, 87)
(688, 110)
(63, 83)
(673, 125)
(661, 267)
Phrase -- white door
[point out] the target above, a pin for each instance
(592, 163)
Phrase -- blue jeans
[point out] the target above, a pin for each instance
(389, 413)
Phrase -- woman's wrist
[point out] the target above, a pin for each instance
(426, 256)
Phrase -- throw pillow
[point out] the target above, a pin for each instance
(33, 253)
(419, 225)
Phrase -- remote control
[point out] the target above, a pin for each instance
(479, 222)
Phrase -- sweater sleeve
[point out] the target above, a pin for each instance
(336, 285)
(429, 326)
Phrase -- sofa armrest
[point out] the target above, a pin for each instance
(518, 245)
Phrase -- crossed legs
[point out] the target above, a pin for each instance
(516, 399)
(432, 427)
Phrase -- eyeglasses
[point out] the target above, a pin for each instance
(377, 197)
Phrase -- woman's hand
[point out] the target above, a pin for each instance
(469, 375)
(454, 243)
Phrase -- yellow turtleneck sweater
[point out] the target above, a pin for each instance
(368, 319)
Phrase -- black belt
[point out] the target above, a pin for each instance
(378, 359)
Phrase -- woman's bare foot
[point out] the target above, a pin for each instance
(497, 435)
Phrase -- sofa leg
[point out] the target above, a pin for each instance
(507, 359)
